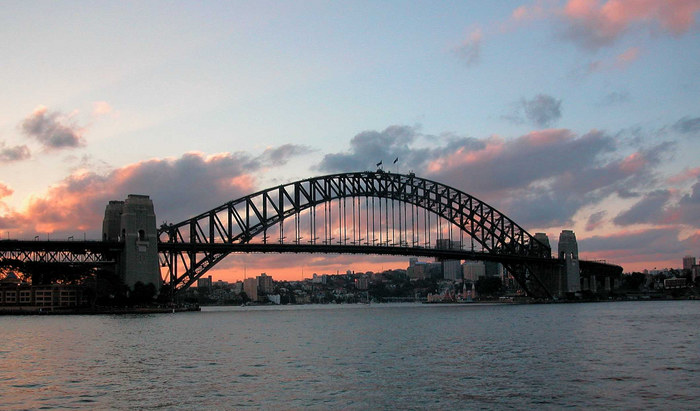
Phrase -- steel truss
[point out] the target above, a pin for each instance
(70, 252)
(187, 252)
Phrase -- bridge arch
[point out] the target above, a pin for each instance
(192, 247)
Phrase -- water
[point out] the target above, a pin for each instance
(631, 355)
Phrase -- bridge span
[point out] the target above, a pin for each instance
(348, 213)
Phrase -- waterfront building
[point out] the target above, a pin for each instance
(493, 269)
(421, 270)
(472, 270)
(452, 270)
(250, 287)
(362, 283)
(204, 284)
(688, 262)
(44, 296)
(265, 285)
(675, 282)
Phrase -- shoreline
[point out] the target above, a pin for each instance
(96, 311)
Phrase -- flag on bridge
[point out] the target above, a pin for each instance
(379, 164)
(397, 159)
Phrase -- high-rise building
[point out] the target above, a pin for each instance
(265, 285)
(472, 270)
(446, 244)
(204, 283)
(250, 287)
(362, 283)
(493, 269)
(688, 262)
(452, 270)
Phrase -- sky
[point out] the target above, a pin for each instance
(578, 114)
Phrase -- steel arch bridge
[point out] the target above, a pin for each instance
(359, 212)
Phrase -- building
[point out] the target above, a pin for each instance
(204, 284)
(675, 282)
(362, 282)
(421, 270)
(446, 244)
(250, 288)
(265, 284)
(472, 270)
(688, 262)
(42, 296)
(452, 270)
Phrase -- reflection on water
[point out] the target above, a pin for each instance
(610, 355)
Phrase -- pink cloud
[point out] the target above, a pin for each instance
(5, 191)
(470, 49)
(633, 163)
(628, 56)
(493, 148)
(101, 108)
(685, 175)
(180, 188)
(593, 24)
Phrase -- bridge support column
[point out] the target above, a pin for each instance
(136, 228)
(568, 253)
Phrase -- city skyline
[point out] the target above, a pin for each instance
(578, 114)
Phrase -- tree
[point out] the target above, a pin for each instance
(488, 285)
(142, 294)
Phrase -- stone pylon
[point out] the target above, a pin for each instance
(568, 253)
(133, 222)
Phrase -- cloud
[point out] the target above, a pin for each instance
(685, 175)
(101, 108)
(616, 98)
(370, 147)
(595, 220)
(16, 153)
(281, 155)
(591, 24)
(8, 218)
(5, 191)
(637, 247)
(179, 187)
(542, 178)
(542, 110)
(50, 130)
(649, 209)
(688, 125)
(470, 49)
(687, 211)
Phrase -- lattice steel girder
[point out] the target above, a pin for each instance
(76, 252)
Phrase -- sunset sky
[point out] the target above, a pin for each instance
(580, 114)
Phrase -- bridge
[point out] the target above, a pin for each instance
(370, 212)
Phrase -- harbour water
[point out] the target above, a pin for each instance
(627, 355)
